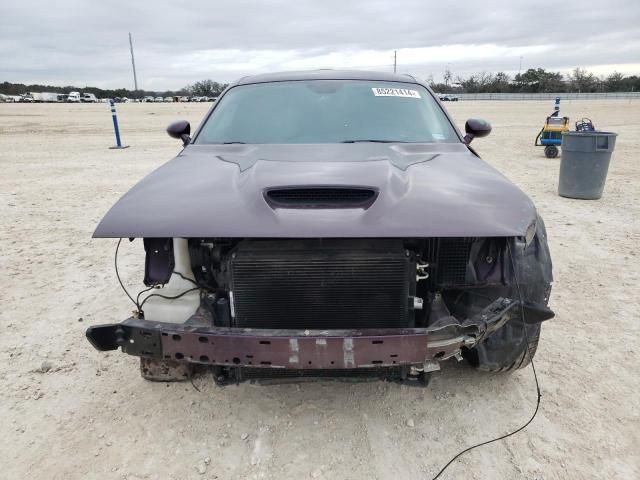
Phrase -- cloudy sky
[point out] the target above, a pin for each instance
(85, 42)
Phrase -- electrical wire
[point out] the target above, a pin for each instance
(166, 297)
(533, 368)
(185, 277)
(115, 261)
(136, 302)
(143, 291)
(197, 287)
(191, 280)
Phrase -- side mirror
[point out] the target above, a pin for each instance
(181, 130)
(475, 127)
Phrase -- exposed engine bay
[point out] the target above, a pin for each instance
(321, 284)
(316, 307)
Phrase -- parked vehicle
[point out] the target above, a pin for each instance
(168, 99)
(329, 223)
(88, 98)
(26, 98)
(448, 97)
(148, 98)
(74, 97)
(158, 99)
(44, 97)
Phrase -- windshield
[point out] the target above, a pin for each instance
(327, 111)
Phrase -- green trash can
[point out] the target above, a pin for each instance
(584, 163)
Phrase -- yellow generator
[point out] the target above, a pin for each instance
(550, 137)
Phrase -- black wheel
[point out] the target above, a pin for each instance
(551, 151)
(515, 344)
(506, 350)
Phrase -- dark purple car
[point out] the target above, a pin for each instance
(330, 223)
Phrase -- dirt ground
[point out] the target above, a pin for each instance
(91, 415)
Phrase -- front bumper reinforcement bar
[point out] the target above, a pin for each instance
(195, 342)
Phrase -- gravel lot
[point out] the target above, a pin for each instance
(90, 415)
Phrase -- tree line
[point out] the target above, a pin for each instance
(536, 80)
(204, 88)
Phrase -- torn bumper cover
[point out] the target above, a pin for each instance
(194, 342)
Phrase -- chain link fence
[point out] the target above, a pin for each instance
(547, 96)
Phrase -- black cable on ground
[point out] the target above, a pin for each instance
(190, 373)
(533, 368)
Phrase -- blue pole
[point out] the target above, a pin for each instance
(556, 108)
(114, 117)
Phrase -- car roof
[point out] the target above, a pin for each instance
(326, 74)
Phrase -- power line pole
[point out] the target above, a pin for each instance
(133, 64)
(520, 67)
(395, 59)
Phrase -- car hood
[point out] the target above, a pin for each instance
(425, 190)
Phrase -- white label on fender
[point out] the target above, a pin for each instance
(395, 92)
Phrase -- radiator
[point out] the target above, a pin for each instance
(321, 284)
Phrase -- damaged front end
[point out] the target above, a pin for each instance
(335, 307)
(200, 343)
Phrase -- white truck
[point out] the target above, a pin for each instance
(45, 97)
(88, 98)
(74, 97)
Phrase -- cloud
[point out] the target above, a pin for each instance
(85, 42)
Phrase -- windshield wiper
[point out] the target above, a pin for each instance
(373, 141)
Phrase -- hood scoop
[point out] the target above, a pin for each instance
(321, 197)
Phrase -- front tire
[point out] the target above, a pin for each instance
(514, 345)
(507, 349)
